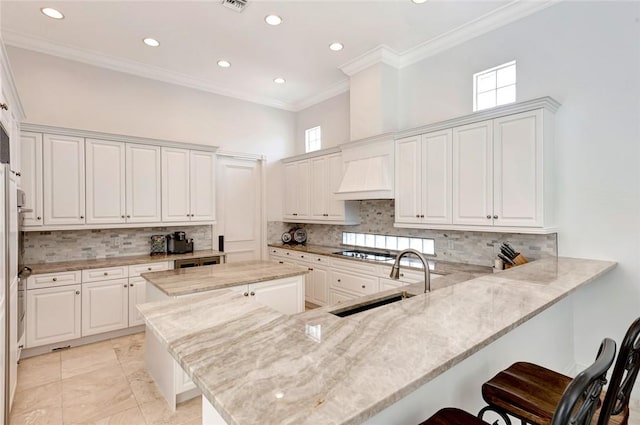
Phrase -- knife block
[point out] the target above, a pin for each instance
(519, 260)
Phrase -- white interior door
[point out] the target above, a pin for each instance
(239, 207)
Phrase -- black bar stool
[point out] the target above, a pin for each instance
(531, 393)
(576, 405)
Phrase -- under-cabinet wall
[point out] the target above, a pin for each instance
(377, 216)
(65, 245)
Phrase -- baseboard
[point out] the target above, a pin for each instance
(43, 349)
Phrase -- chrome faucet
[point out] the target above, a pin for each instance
(395, 270)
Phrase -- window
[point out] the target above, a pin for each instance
(392, 243)
(494, 87)
(313, 139)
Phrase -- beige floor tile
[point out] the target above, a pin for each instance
(38, 370)
(157, 412)
(129, 348)
(45, 397)
(52, 416)
(87, 358)
(133, 367)
(128, 417)
(143, 386)
(97, 394)
(196, 421)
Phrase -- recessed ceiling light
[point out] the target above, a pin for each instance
(419, 1)
(279, 80)
(336, 47)
(224, 64)
(52, 13)
(152, 42)
(273, 20)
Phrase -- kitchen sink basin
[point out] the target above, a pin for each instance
(378, 302)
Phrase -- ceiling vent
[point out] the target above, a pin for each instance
(237, 5)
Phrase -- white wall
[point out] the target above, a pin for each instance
(332, 115)
(65, 93)
(587, 56)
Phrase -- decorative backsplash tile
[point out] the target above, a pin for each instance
(450, 245)
(65, 245)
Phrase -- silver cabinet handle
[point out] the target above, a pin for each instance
(77, 292)
(253, 293)
(246, 294)
(488, 217)
(495, 217)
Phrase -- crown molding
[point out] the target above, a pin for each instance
(10, 84)
(127, 66)
(380, 54)
(332, 91)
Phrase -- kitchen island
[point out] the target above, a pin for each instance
(262, 283)
(382, 366)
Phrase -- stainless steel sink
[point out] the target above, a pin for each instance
(378, 302)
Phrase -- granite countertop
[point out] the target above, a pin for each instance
(199, 279)
(98, 263)
(435, 265)
(256, 365)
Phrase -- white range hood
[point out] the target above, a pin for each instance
(368, 169)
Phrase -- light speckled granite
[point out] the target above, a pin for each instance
(98, 263)
(436, 266)
(258, 366)
(189, 281)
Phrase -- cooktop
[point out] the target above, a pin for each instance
(367, 255)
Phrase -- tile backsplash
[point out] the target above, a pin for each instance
(450, 245)
(65, 245)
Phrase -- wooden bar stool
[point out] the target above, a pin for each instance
(531, 393)
(576, 405)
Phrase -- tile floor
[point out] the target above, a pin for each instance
(102, 383)
(106, 383)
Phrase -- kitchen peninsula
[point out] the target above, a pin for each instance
(260, 283)
(385, 365)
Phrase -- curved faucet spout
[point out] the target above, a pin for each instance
(395, 270)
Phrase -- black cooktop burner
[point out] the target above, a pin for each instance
(367, 255)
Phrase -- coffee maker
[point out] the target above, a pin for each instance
(177, 243)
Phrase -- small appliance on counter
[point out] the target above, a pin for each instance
(295, 235)
(177, 243)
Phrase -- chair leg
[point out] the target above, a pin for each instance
(497, 411)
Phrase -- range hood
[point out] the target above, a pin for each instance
(368, 170)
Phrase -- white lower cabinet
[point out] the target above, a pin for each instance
(137, 295)
(53, 315)
(105, 306)
(285, 295)
(318, 279)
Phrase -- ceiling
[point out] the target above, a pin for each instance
(194, 35)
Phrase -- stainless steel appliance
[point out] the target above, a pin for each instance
(177, 243)
(197, 262)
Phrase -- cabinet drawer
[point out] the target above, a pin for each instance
(356, 284)
(49, 280)
(277, 251)
(337, 297)
(107, 273)
(138, 269)
(355, 265)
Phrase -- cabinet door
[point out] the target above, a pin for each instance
(319, 285)
(53, 315)
(302, 190)
(408, 180)
(437, 162)
(64, 190)
(290, 173)
(31, 179)
(143, 183)
(137, 295)
(105, 306)
(517, 170)
(202, 182)
(284, 295)
(473, 174)
(318, 187)
(105, 168)
(175, 185)
(335, 168)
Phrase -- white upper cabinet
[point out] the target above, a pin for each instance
(31, 180)
(202, 178)
(517, 170)
(188, 185)
(175, 184)
(64, 180)
(423, 178)
(105, 166)
(473, 171)
(143, 183)
(309, 191)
